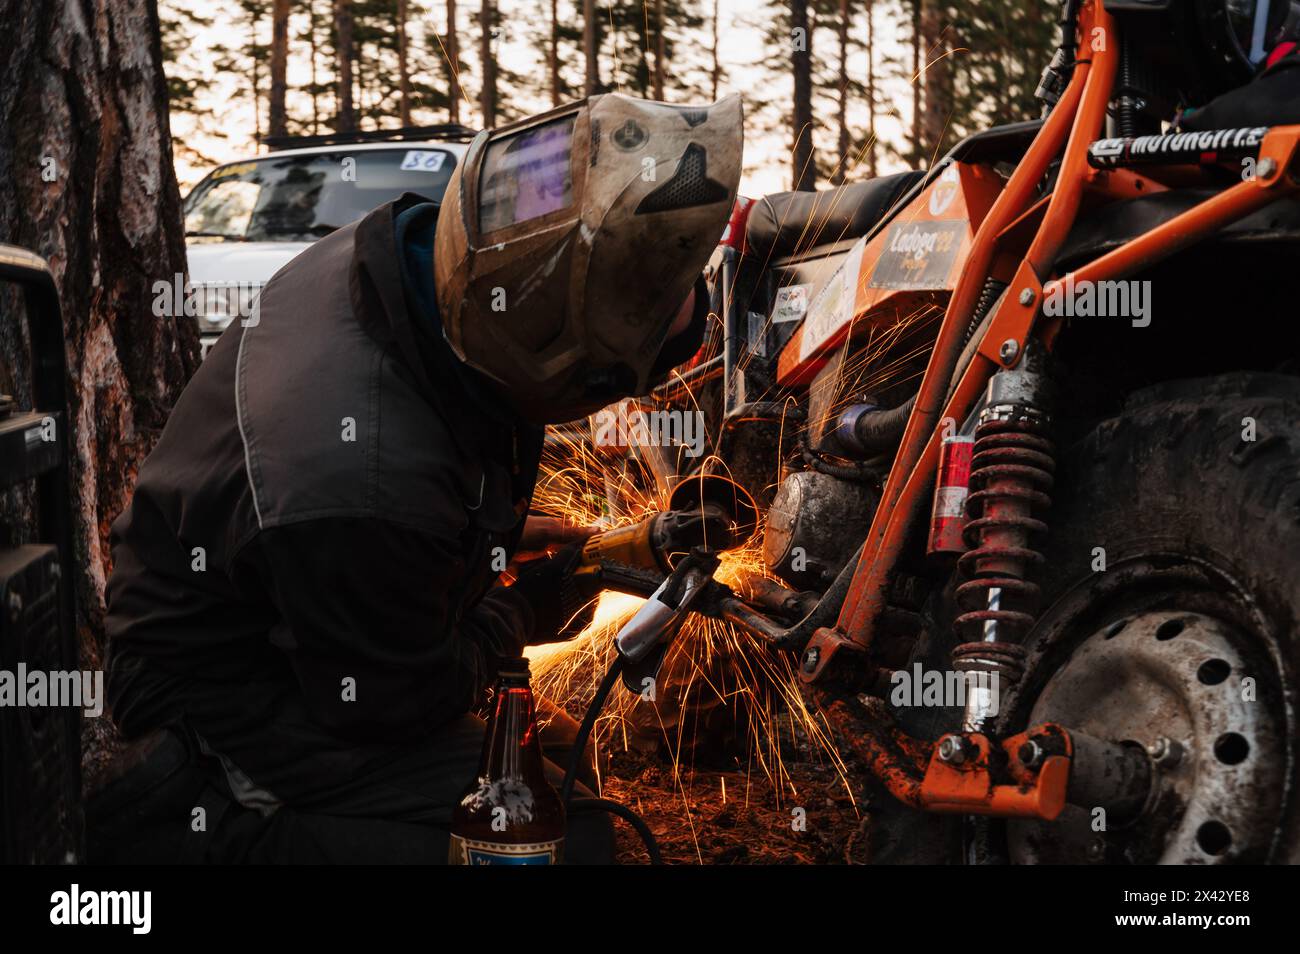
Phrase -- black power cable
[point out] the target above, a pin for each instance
(629, 816)
(575, 762)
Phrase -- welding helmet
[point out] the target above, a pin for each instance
(567, 244)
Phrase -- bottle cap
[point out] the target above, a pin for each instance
(514, 666)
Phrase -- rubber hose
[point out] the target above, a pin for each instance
(880, 429)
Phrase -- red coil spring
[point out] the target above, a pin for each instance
(1011, 472)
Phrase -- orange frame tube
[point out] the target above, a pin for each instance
(917, 455)
(1080, 114)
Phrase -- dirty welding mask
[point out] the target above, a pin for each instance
(568, 242)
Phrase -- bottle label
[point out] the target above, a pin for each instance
(467, 851)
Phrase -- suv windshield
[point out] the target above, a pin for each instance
(300, 198)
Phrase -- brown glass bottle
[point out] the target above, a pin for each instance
(509, 814)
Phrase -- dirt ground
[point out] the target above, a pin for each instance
(718, 817)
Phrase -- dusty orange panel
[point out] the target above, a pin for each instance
(913, 261)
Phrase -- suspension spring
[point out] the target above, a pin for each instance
(1011, 473)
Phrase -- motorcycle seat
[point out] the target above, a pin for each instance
(788, 222)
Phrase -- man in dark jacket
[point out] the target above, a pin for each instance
(303, 609)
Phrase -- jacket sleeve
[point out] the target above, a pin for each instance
(368, 619)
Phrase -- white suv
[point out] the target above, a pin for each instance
(246, 219)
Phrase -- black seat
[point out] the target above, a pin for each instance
(786, 222)
(1271, 99)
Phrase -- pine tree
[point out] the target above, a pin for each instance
(981, 63)
(803, 164)
(487, 23)
(315, 88)
(86, 99)
(345, 119)
(249, 58)
(591, 33)
(400, 17)
(276, 116)
(1009, 42)
(186, 81)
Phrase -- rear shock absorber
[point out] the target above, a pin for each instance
(1011, 474)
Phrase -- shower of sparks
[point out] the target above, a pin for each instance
(712, 669)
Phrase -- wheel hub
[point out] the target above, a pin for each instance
(1178, 684)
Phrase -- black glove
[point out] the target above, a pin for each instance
(560, 610)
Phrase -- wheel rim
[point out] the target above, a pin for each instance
(1217, 779)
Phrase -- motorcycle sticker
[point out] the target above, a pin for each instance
(791, 303)
(918, 255)
(834, 305)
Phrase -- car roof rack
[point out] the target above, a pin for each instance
(453, 132)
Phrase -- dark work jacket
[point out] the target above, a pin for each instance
(305, 573)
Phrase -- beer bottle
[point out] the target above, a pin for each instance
(509, 814)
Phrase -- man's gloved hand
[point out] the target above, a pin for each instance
(560, 611)
(542, 533)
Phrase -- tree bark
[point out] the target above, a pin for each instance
(917, 83)
(589, 47)
(403, 67)
(488, 66)
(277, 120)
(315, 91)
(346, 120)
(86, 181)
(804, 171)
(938, 80)
(255, 75)
(715, 75)
(660, 51)
(453, 65)
(871, 88)
(845, 140)
(553, 59)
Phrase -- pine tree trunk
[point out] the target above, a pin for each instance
(553, 60)
(86, 181)
(846, 141)
(871, 88)
(487, 63)
(715, 74)
(403, 67)
(804, 171)
(938, 80)
(277, 122)
(589, 47)
(917, 83)
(315, 91)
(346, 120)
(660, 51)
(453, 65)
(359, 80)
(256, 77)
